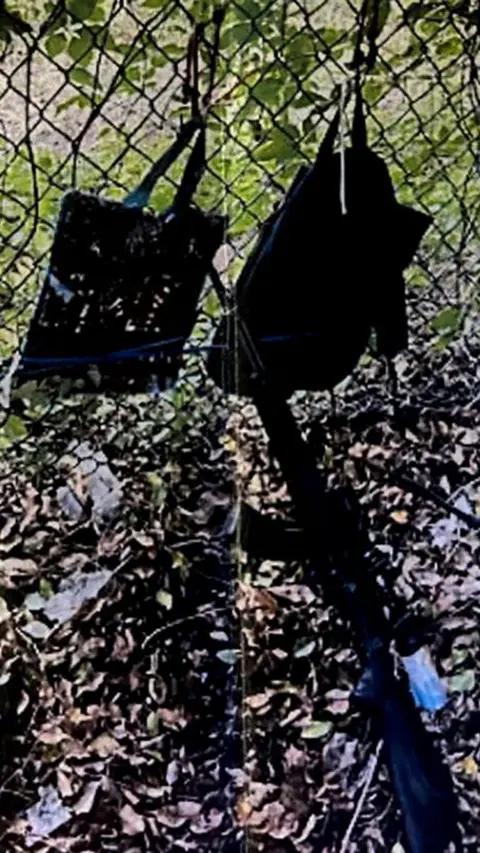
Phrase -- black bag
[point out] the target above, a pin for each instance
(120, 296)
(319, 280)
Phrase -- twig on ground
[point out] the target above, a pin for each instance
(177, 622)
(372, 766)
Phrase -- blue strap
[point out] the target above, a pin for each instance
(141, 195)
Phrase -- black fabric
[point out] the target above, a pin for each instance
(120, 297)
(318, 282)
(336, 536)
(421, 780)
(135, 280)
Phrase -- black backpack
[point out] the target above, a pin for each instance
(320, 280)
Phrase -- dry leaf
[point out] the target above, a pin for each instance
(286, 828)
(338, 701)
(4, 611)
(168, 816)
(316, 729)
(52, 736)
(14, 566)
(469, 766)
(104, 745)
(400, 516)
(188, 808)
(132, 822)
(64, 784)
(243, 810)
(463, 681)
(252, 598)
(171, 716)
(47, 815)
(206, 823)
(309, 827)
(259, 700)
(173, 772)
(306, 650)
(86, 801)
(296, 593)
(7, 529)
(295, 757)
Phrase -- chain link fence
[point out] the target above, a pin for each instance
(127, 712)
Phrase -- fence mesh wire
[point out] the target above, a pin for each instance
(151, 720)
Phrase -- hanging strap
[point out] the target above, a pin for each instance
(359, 127)
(197, 161)
(141, 195)
(195, 167)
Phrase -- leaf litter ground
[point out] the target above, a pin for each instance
(199, 696)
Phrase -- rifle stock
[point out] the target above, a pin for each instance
(335, 536)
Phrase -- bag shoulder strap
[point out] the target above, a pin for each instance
(140, 196)
(195, 167)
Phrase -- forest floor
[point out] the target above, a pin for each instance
(199, 698)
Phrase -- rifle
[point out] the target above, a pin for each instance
(337, 545)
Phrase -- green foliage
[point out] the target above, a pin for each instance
(82, 10)
(277, 87)
(448, 318)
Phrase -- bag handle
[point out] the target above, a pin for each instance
(366, 29)
(359, 129)
(196, 164)
(197, 161)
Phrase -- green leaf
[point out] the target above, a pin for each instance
(165, 599)
(82, 77)
(441, 344)
(46, 589)
(418, 10)
(267, 90)
(55, 44)
(173, 51)
(239, 34)
(27, 390)
(250, 8)
(464, 681)
(301, 53)
(330, 36)
(449, 318)
(316, 729)
(450, 47)
(460, 656)
(305, 651)
(15, 428)
(280, 147)
(158, 486)
(81, 45)
(155, 4)
(153, 723)
(211, 306)
(81, 9)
